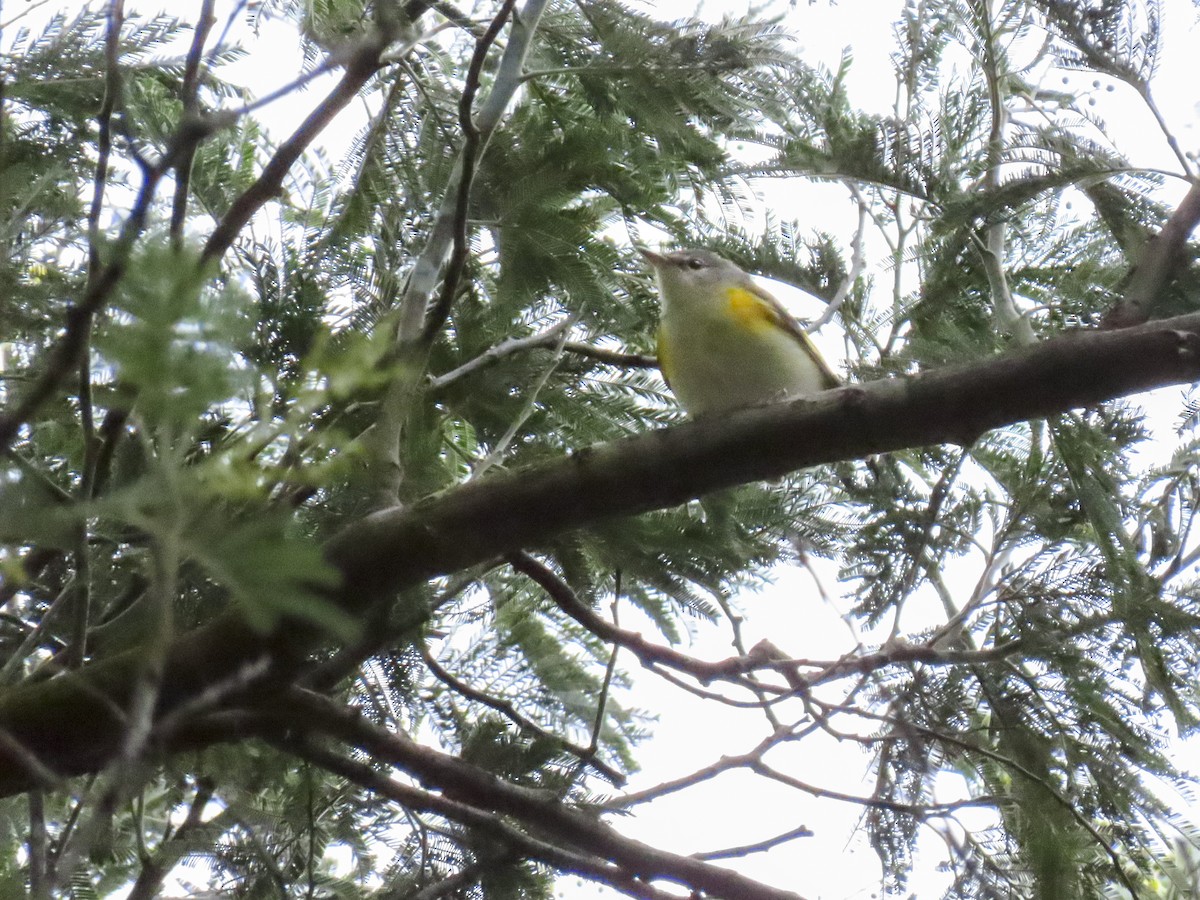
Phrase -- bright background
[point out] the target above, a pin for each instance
(802, 611)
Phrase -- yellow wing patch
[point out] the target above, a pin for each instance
(755, 308)
(750, 310)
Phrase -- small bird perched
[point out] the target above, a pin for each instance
(725, 343)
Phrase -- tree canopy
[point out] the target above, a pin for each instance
(331, 484)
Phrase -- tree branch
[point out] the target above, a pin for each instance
(69, 724)
(113, 87)
(548, 338)
(757, 847)
(481, 795)
(648, 653)
(191, 111)
(155, 868)
(725, 764)
(586, 755)
(414, 322)
(1160, 259)
(466, 814)
(612, 357)
(363, 62)
(473, 144)
(417, 325)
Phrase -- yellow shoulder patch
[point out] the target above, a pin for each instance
(753, 309)
(749, 309)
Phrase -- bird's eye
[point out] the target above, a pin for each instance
(695, 263)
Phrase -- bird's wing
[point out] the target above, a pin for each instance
(772, 309)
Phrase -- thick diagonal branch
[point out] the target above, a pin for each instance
(473, 793)
(73, 723)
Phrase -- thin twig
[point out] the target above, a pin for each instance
(586, 755)
(1143, 89)
(598, 724)
(113, 87)
(360, 65)
(238, 8)
(113, 90)
(707, 773)
(765, 649)
(502, 350)
(971, 746)
(191, 111)
(29, 7)
(473, 140)
(612, 357)
(38, 887)
(648, 654)
(12, 665)
(858, 262)
(567, 860)
(527, 409)
(912, 809)
(757, 847)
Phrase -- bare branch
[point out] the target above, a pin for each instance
(395, 549)
(1158, 262)
(763, 651)
(858, 262)
(917, 810)
(609, 670)
(548, 338)
(363, 61)
(649, 654)
(757, 847)
(468, 159)
(586, 755)
(191, 111)
(537, 809)
(724, 764)
(612, 357)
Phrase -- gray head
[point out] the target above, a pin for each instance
(684, 273)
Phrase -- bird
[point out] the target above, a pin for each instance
(724, 343)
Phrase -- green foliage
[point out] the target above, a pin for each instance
(221, 417)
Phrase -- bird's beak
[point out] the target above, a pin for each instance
(655, 259)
